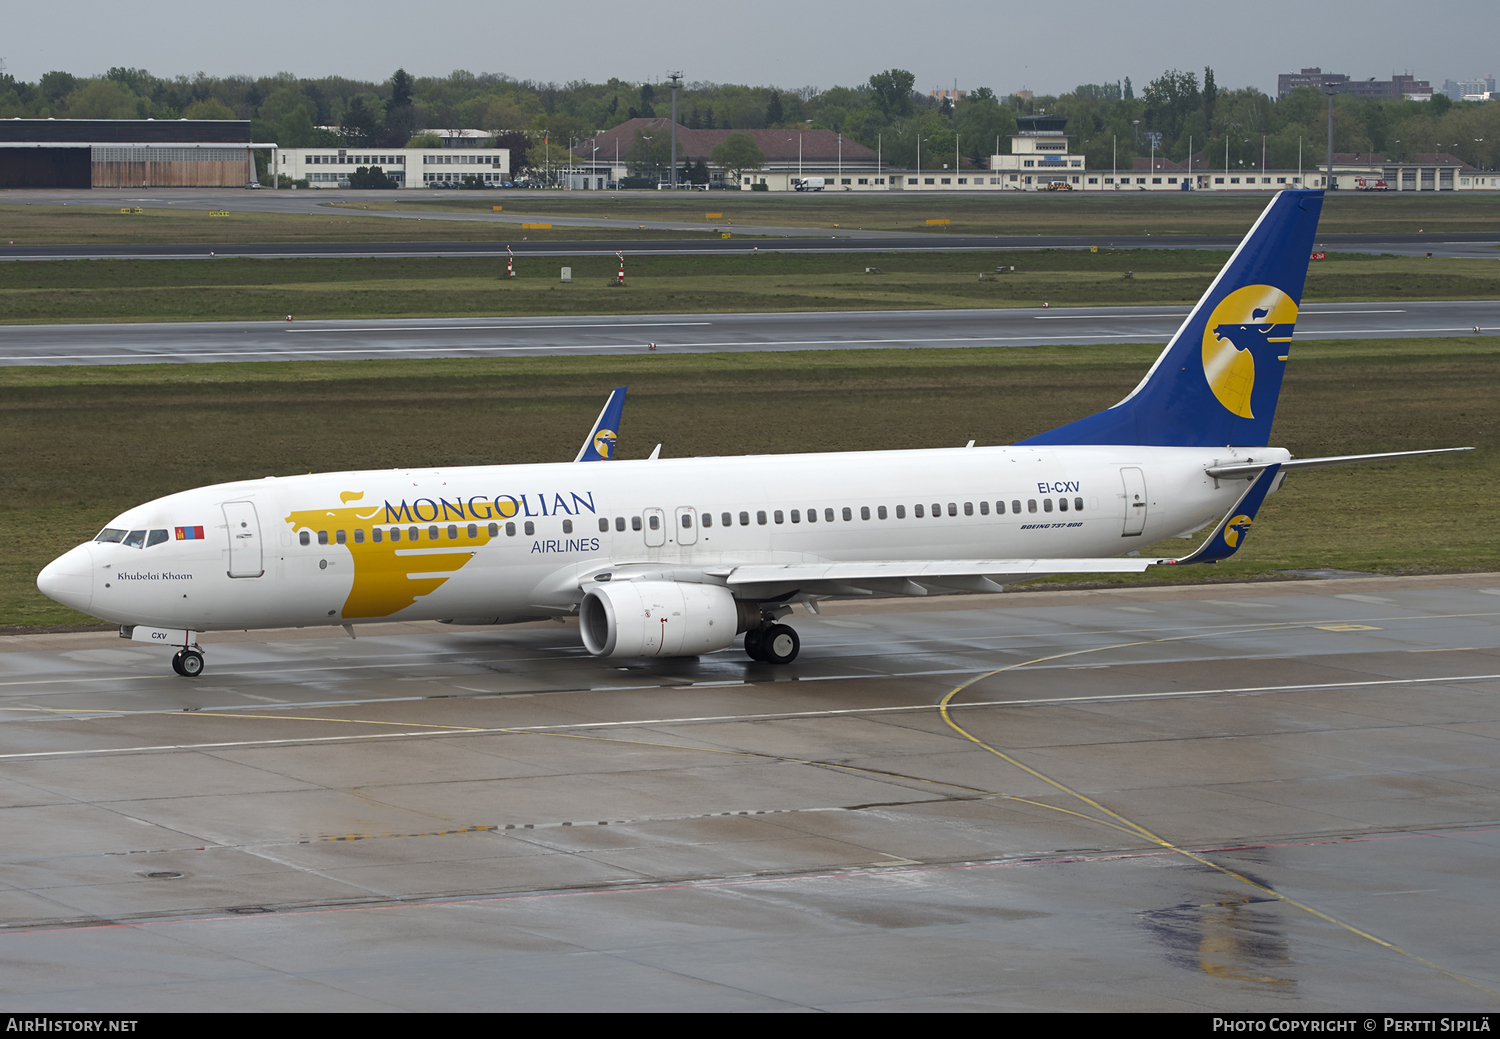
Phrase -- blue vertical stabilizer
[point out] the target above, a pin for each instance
(1217, 381)
(604, 439)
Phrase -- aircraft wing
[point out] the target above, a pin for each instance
(908, 577)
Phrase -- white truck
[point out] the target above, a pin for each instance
(811, 184)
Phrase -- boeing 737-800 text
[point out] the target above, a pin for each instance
(677, 557)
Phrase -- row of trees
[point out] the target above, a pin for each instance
(1110, 122)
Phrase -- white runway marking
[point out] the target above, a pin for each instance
(721, 719)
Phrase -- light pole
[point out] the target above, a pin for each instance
(649, 156)
(676, 80)
(1328, 180)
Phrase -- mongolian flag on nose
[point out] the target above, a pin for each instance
(189, 533)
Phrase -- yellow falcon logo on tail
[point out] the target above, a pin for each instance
(1243, 320)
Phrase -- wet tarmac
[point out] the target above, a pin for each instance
(1280, 796)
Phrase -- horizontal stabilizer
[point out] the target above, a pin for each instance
(1249, 469)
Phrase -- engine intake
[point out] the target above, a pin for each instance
(657, 619)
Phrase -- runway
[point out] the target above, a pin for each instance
(204, 342)
(1278, 797)
(509, 233)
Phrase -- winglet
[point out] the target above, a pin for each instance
(600, 444)
(1232, 530)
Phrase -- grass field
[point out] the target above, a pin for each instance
(253, 289)
(106, 225)
(1007, 214)
(84, 443)
(1015, 214)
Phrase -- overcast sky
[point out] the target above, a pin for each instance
(1048, 48)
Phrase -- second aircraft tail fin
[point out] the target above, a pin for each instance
(603, 439)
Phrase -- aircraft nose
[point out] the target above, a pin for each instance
(69, 579)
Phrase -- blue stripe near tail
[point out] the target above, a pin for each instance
(1217, 382)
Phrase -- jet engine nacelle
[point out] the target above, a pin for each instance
(657, 619)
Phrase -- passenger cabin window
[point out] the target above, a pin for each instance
(530, 528)
(1030, 504)
(473, 530)
(796, 515)
(340, 537)
(619, 522)
(603, 525)
(917, 511)
(510, 530)
(999, 508)
(395, 534)
(359, 536)
(494, 530)
(744, 519)
(322, 537)
(653, 521)
(968, 508)
(1062, 505)
(828, 515)
(304, 538)
(812, 515)
(1078, 504)
(727, 519)
(778, 516)
(453, 532)
(760, 517)
(568, 526)
(376, 535)
(953, 508)
(1046, 504)
(432, 533)
(848, 514)
(1015, 506)
(414, 533)
(984, 508)
(881, 512)
(901, 512)
(864, 512)
(635, 523)
(707, 520)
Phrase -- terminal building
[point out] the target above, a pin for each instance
(126, 153)
(439, 167)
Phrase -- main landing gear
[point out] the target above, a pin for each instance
(773, 643)
(188, 662)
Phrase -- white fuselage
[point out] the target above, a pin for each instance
(502, 543)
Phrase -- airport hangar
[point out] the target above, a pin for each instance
(127, 153)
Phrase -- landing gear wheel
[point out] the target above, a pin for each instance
(780, 644)
(754, 643)
(188, 663)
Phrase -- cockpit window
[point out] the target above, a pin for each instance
(111, 536)
(135, 539)
(156, 537)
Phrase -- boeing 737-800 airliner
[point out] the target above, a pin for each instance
(678, 557)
